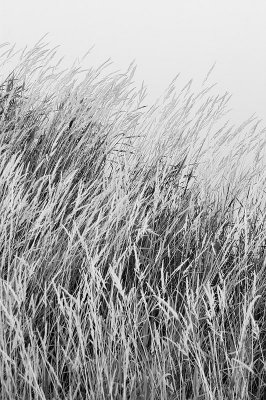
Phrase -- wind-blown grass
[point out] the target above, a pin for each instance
(132, 242)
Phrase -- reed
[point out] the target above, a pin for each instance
(132, 242)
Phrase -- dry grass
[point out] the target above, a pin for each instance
(132, 243)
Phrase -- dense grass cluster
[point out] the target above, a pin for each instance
(132, 240)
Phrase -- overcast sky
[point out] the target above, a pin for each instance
(164, 37)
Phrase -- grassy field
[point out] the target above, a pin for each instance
(132, 239)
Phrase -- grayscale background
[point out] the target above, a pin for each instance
(164, 37)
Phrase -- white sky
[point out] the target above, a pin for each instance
(164, 37)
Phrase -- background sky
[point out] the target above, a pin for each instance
(164, 37)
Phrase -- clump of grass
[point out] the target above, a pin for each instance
(132, 251)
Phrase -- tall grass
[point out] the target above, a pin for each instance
(132, 239)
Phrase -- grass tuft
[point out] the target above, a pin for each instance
(132, 239)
